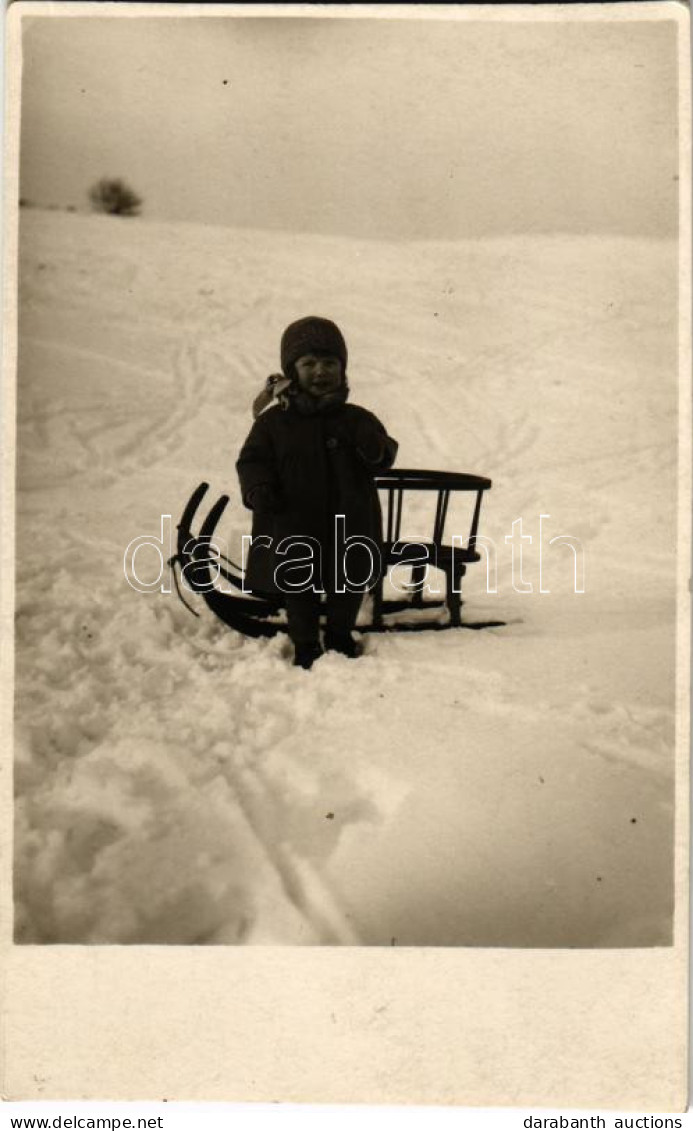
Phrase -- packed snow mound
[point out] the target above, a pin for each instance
(177, 783)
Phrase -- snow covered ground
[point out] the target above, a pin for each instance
(179, 784)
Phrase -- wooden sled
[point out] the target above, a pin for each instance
(199, 566)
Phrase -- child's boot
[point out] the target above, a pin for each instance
(344, 643)
(305, 655)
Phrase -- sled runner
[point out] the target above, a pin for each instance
(219, 581)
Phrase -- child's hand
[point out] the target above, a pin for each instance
(263, 498)
(369, 441)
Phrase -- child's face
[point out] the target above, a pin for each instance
(318, 375)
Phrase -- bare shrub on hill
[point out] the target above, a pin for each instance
(114, 197)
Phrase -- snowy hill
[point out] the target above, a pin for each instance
(177, 783)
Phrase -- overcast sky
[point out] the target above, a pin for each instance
(369, 127)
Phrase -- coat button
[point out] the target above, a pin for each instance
(332, 443)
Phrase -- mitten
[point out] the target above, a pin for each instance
(263, 498)
(369, 441)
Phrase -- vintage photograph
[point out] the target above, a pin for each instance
(347, 480)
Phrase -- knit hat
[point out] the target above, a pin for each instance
(312, 335)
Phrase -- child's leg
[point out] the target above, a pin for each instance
(342, 611)
(303, 615)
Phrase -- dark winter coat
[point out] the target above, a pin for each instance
(316, 467)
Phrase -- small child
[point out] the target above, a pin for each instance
(309, 458)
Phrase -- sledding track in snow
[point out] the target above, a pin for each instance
(177, 784)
